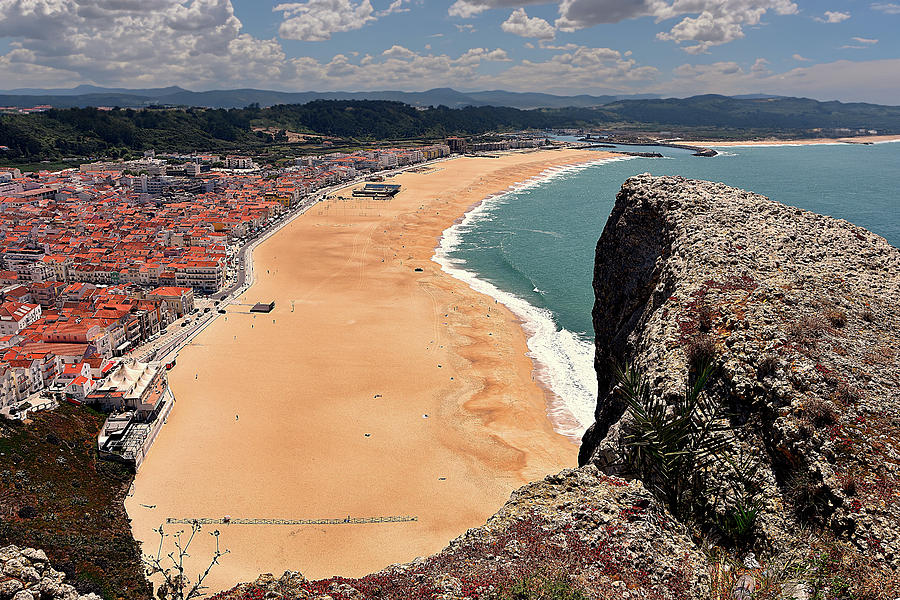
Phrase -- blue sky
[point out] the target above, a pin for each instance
(845, 50)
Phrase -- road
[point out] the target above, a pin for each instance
(177, 334)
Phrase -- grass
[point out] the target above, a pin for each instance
(700, 351)
(819, 413)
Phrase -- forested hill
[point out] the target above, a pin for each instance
(58, 133)
(779, 113)
(88, 131)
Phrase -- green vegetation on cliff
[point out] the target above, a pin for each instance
(57, 495)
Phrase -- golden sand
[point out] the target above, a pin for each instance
(318, 410)
(775, 142)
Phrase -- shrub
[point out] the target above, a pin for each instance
(848, 485)
(744, 503)
(767, 366)
(704, 314)
(846, 394)
(867, 315)
(542, 587)
(808, 495)
(700, 352)
(820, 413)
(836, 317)
(806, 328)
(672, 451)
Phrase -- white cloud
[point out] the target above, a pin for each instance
(703, 24)
(760, 66)
(599, 70)
(398, 52)
(889, 8)
(863, 40)
(833, 16)
(519, 23)
(548, 45)
(801, 58)
(465, 28)
(397, 6)
(719, 21)
(403, 68)
(316, 20)
(192, 42)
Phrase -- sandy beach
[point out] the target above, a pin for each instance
(862, 139)
(379, 385)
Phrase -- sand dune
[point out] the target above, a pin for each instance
(319, 408)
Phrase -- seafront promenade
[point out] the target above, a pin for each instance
(379, 385)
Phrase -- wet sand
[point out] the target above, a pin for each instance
(318, 409)
(862, 139)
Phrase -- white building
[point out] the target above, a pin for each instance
(16, 316)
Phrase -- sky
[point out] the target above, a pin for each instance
(847, 50)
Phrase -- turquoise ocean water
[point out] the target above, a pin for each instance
(533, 248)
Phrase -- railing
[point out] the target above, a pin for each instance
(344, 521)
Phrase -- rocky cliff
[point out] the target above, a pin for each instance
(799, 315)
(791, 319)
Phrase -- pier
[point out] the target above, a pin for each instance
(345, 521)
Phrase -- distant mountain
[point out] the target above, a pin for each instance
(527, 100)
(755, 96)
(82, 90)
(88, 95)
(773, 113)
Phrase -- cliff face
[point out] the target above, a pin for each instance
(800, 312)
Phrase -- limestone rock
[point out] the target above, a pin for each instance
(803, 314)
(34, 555)
(9, 588)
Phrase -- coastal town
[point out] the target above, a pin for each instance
(109, 267)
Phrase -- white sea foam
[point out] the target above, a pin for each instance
(564, 361)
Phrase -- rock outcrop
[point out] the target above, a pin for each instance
(26, 574)
(801, 314)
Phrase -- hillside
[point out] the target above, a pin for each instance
(57, 495)
(88, 131)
